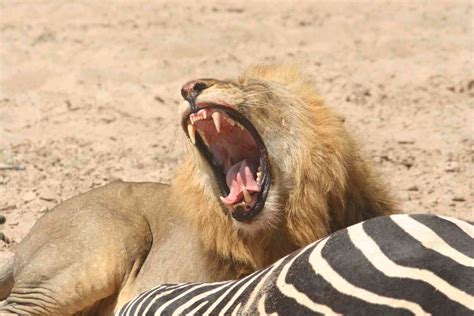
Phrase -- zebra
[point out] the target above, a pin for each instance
(390, 265)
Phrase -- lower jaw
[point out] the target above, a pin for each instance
(243, 216)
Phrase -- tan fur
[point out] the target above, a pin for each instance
(323, 185)
(182, 232)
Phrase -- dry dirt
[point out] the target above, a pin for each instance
(88, 91)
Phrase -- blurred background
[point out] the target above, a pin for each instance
(89, 90)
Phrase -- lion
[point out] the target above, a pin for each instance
(270, 169)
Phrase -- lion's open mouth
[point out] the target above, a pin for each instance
(236, 154)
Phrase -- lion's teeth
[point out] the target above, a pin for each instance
(223, 200)
(202, 114)
(216, 117)
(192, 133)
(203, 136)
(247, 197)
(230, 121)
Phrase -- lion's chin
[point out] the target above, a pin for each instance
(267, 220)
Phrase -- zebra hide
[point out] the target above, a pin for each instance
(391, 265)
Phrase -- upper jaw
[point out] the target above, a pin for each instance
(201, 105)
(244, 178)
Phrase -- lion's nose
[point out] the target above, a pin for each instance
(193, 88)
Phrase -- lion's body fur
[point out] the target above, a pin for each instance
(320, 184)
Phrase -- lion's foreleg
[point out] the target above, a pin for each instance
(74, 258)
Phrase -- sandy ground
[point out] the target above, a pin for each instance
(88, 91)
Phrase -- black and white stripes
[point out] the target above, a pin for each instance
(399, 264)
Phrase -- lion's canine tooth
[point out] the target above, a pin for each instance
(216, 117)
(192, 133)
(223, 200)
(204, 138)
(247, 197)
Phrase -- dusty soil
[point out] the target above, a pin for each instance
(88, 91)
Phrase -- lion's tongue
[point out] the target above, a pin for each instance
(238, 176)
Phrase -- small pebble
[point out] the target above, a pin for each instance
(30, 196)
(44, 210)
(4, 238)
(8, 207)
(4, 166)
(458, 199)
(47, 194)
(413, 188)
(4, 179)
(406, 142)
(452, 166)
(159, 99)
(3, 219)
